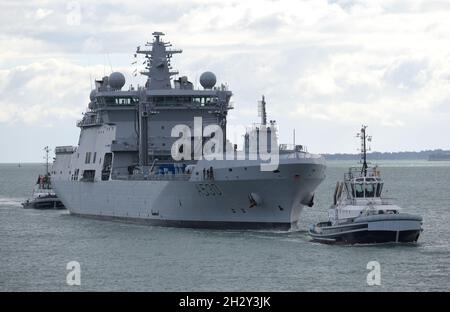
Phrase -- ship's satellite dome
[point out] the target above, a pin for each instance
(208, 80)
(92, 95)
(116, 80)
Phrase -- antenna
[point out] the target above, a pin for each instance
(364, 139)
(109, 61)
(104, 65)
(47, 150)
(294, 137)
(262, 111)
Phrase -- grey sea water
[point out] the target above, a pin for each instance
(35, 246)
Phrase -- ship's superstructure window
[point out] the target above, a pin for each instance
(182, 100)
(75, 174)
(87, 159)
(88, 175)
(116, 100)
(106, 171)
(95, 156)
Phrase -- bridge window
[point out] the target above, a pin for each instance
(205, 100)
(183, 100)
(370, 190)
(125, 101)
(116, 100)
(379, 189)
(359, 190)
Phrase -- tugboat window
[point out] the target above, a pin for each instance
(379, 189)
(359, 190)
(370, 190)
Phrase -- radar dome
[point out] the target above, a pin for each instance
(116, 80)
(208, 80)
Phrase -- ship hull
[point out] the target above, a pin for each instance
(198, 224)
(225, 203)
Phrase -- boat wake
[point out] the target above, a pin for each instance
(8, 202)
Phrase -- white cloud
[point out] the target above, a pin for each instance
(42, 13)
(42, 91)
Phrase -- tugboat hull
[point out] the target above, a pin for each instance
(376, 229)
(50, 202)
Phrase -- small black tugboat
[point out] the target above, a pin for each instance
(43, 195)
(359, 214)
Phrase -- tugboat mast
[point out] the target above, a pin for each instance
(364, 139)
(47, 150)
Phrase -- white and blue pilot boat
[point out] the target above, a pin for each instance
(360, 215)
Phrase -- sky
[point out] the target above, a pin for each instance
(325, 67)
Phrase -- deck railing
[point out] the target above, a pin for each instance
(89, 121)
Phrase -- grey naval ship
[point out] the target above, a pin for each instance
(127, 166)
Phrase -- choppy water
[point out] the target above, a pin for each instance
(35, 246)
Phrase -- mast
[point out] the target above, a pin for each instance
(364, 139)
(262, 111)
(293, 137)
(47, 150)
(157, 63)
(143, 129)
(158, 70)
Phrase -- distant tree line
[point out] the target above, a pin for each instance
(388, 156)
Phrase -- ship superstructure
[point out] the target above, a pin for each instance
(130, 164)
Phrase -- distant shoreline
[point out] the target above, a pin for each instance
(422, 155)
